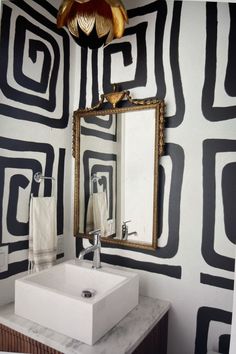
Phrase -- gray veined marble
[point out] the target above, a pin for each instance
(121, 339)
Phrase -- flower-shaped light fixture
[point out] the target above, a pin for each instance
(93, 22)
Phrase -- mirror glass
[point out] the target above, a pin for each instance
(116, 173)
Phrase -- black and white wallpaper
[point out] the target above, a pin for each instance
(183, 52)
(34, 123)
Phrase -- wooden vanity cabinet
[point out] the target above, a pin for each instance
(12, 341)
(156, 340)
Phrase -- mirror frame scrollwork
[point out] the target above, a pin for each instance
(113, 103)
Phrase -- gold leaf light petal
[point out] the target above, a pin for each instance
(72, 25)
(118, 22)
(119, 3)
(103, 25)
(63, 12)
(124, 13)
(86, 22)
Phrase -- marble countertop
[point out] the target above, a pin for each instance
(121, 339)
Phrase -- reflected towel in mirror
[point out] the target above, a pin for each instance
(97, 214)
(89, 219)
(42, 233)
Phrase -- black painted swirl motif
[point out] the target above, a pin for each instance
(36, 41)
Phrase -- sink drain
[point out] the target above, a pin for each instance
(88, 293)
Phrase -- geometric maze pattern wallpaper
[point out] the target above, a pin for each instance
(34, 113)
(183, 52)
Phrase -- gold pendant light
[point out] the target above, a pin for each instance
(93, 23)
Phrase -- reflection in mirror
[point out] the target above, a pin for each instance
(97, 177)
(135, 175)
(116, 170)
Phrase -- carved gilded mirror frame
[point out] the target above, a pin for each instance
(116, 100)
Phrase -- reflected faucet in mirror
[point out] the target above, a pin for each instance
(125, 231)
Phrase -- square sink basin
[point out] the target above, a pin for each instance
(54, 298)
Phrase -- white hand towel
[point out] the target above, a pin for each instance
(100, 213)
(42, 233)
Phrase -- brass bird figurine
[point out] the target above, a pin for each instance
(93, 22)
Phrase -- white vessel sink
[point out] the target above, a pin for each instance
(53, 298)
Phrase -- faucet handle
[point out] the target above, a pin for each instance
(95, 232)
(96, 235)
(125, 222)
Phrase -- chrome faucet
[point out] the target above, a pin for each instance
(96, 249)
(125, 231)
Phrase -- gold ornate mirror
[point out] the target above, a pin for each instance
(117, 145)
